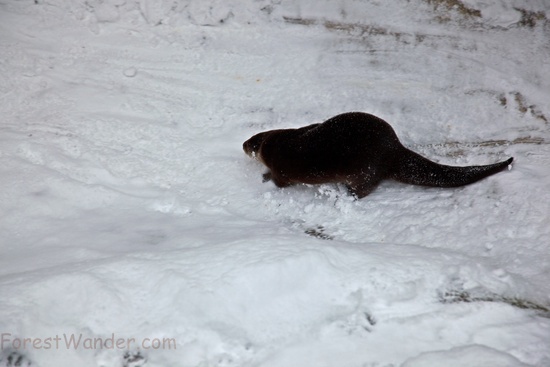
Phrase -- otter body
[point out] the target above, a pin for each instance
(357, 149)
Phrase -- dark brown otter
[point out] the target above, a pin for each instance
(357, 149)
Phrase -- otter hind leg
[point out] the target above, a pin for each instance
(362, 186)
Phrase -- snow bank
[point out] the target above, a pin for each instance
(131, 213)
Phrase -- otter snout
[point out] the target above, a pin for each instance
(252, 145)
(247, 147)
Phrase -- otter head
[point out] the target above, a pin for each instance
(252, 146)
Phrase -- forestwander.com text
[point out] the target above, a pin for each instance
(79, 341)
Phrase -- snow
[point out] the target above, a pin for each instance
(130, 212)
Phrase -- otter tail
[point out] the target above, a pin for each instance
(414, 169)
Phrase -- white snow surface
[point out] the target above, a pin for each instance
(129, 210)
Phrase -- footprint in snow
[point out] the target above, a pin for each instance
(14, 359)
(132, 359)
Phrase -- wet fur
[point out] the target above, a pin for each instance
(357, 149)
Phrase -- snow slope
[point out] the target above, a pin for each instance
(130, 212)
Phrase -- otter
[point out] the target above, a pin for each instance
(357, 149)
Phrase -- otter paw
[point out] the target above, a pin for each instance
(266, 177)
